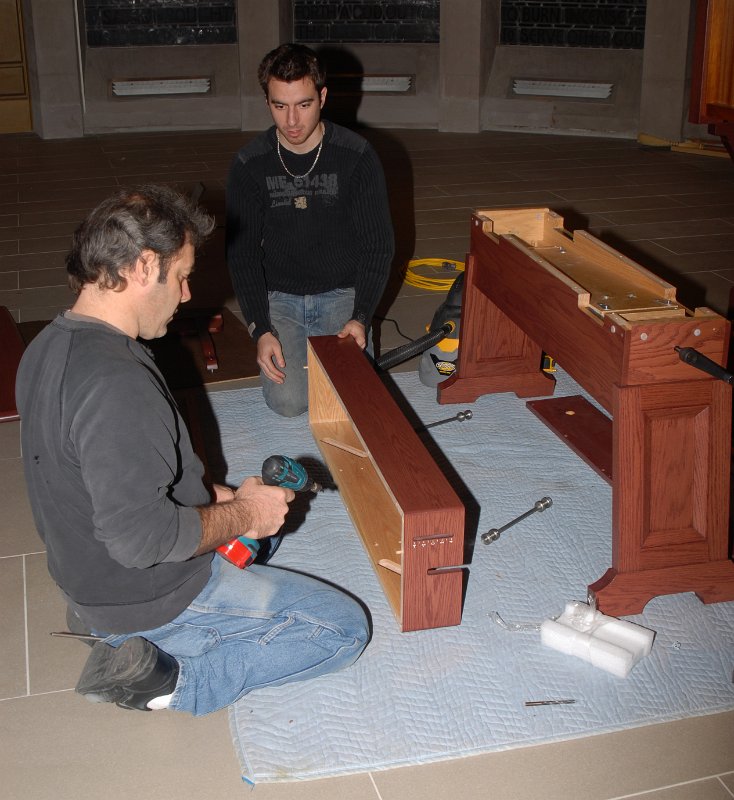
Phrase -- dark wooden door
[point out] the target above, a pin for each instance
(712, 77)
(15, 103)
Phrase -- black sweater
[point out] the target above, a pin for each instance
(328, 230)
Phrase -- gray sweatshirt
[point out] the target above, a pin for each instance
(112, 477)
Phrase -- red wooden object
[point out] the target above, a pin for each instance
(586, 430)
(11, 351)
(531, 287)
(712, 74)
(409, 517)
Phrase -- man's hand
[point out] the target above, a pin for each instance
(222, 494)
(268, 507)
(270, 357)
(253, 510)
(356, 330)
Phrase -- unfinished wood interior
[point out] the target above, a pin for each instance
(604, 279)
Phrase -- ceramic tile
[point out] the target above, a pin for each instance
(48, 231)
(74, 216)
(627, 208)
(40, 313)
(32, 261)
(13, 667)
(28, 298)
(43, 278)
(710, 789)
(10, 440)
(673, 235)
(8, 193)
(18, 529)
(44, 244)
(442, 230)
(718, 242)
(688, 194)
(57, 184)
(354, 787)
(432, 217)
(454, 248)
(672, 212)
(54, 663)
(472, 200)
(60, 199)
(584, 769)
(9, 281)
(681, 264)
(61, 747)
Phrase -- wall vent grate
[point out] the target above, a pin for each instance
(598, 91)
(158, 86)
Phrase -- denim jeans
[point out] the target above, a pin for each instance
(261, 626)
(295, 318)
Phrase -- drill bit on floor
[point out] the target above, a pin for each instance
(90, 637)
(549, 702)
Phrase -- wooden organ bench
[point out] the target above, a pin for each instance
(532, 288)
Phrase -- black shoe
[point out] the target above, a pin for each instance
(267, 549)
(129, 675)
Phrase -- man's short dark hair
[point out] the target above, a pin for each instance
(114, 235)
(291, 62)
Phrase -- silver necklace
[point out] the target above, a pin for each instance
(318, 153)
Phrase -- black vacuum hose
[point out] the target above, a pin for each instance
(406, 351)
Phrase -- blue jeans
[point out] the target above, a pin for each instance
(295, 318)
(261, 626)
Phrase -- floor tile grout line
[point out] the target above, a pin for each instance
(670, 786)
(35, 694)
(726, 788)
(23, 555)
(25, 625)
(374, 785)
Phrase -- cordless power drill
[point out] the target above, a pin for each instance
(276, 471)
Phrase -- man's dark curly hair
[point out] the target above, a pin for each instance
(114, 235)
(291, 62)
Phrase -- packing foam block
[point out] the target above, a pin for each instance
(611, 644)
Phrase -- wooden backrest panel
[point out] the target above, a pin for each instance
(402, 506)
(402, 459)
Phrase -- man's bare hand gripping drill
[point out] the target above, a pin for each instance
(253, 510)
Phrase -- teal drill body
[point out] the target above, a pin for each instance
(276, 471)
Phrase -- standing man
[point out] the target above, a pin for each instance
(309, 236)
(117, 493)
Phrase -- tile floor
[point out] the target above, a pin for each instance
(671, 212)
